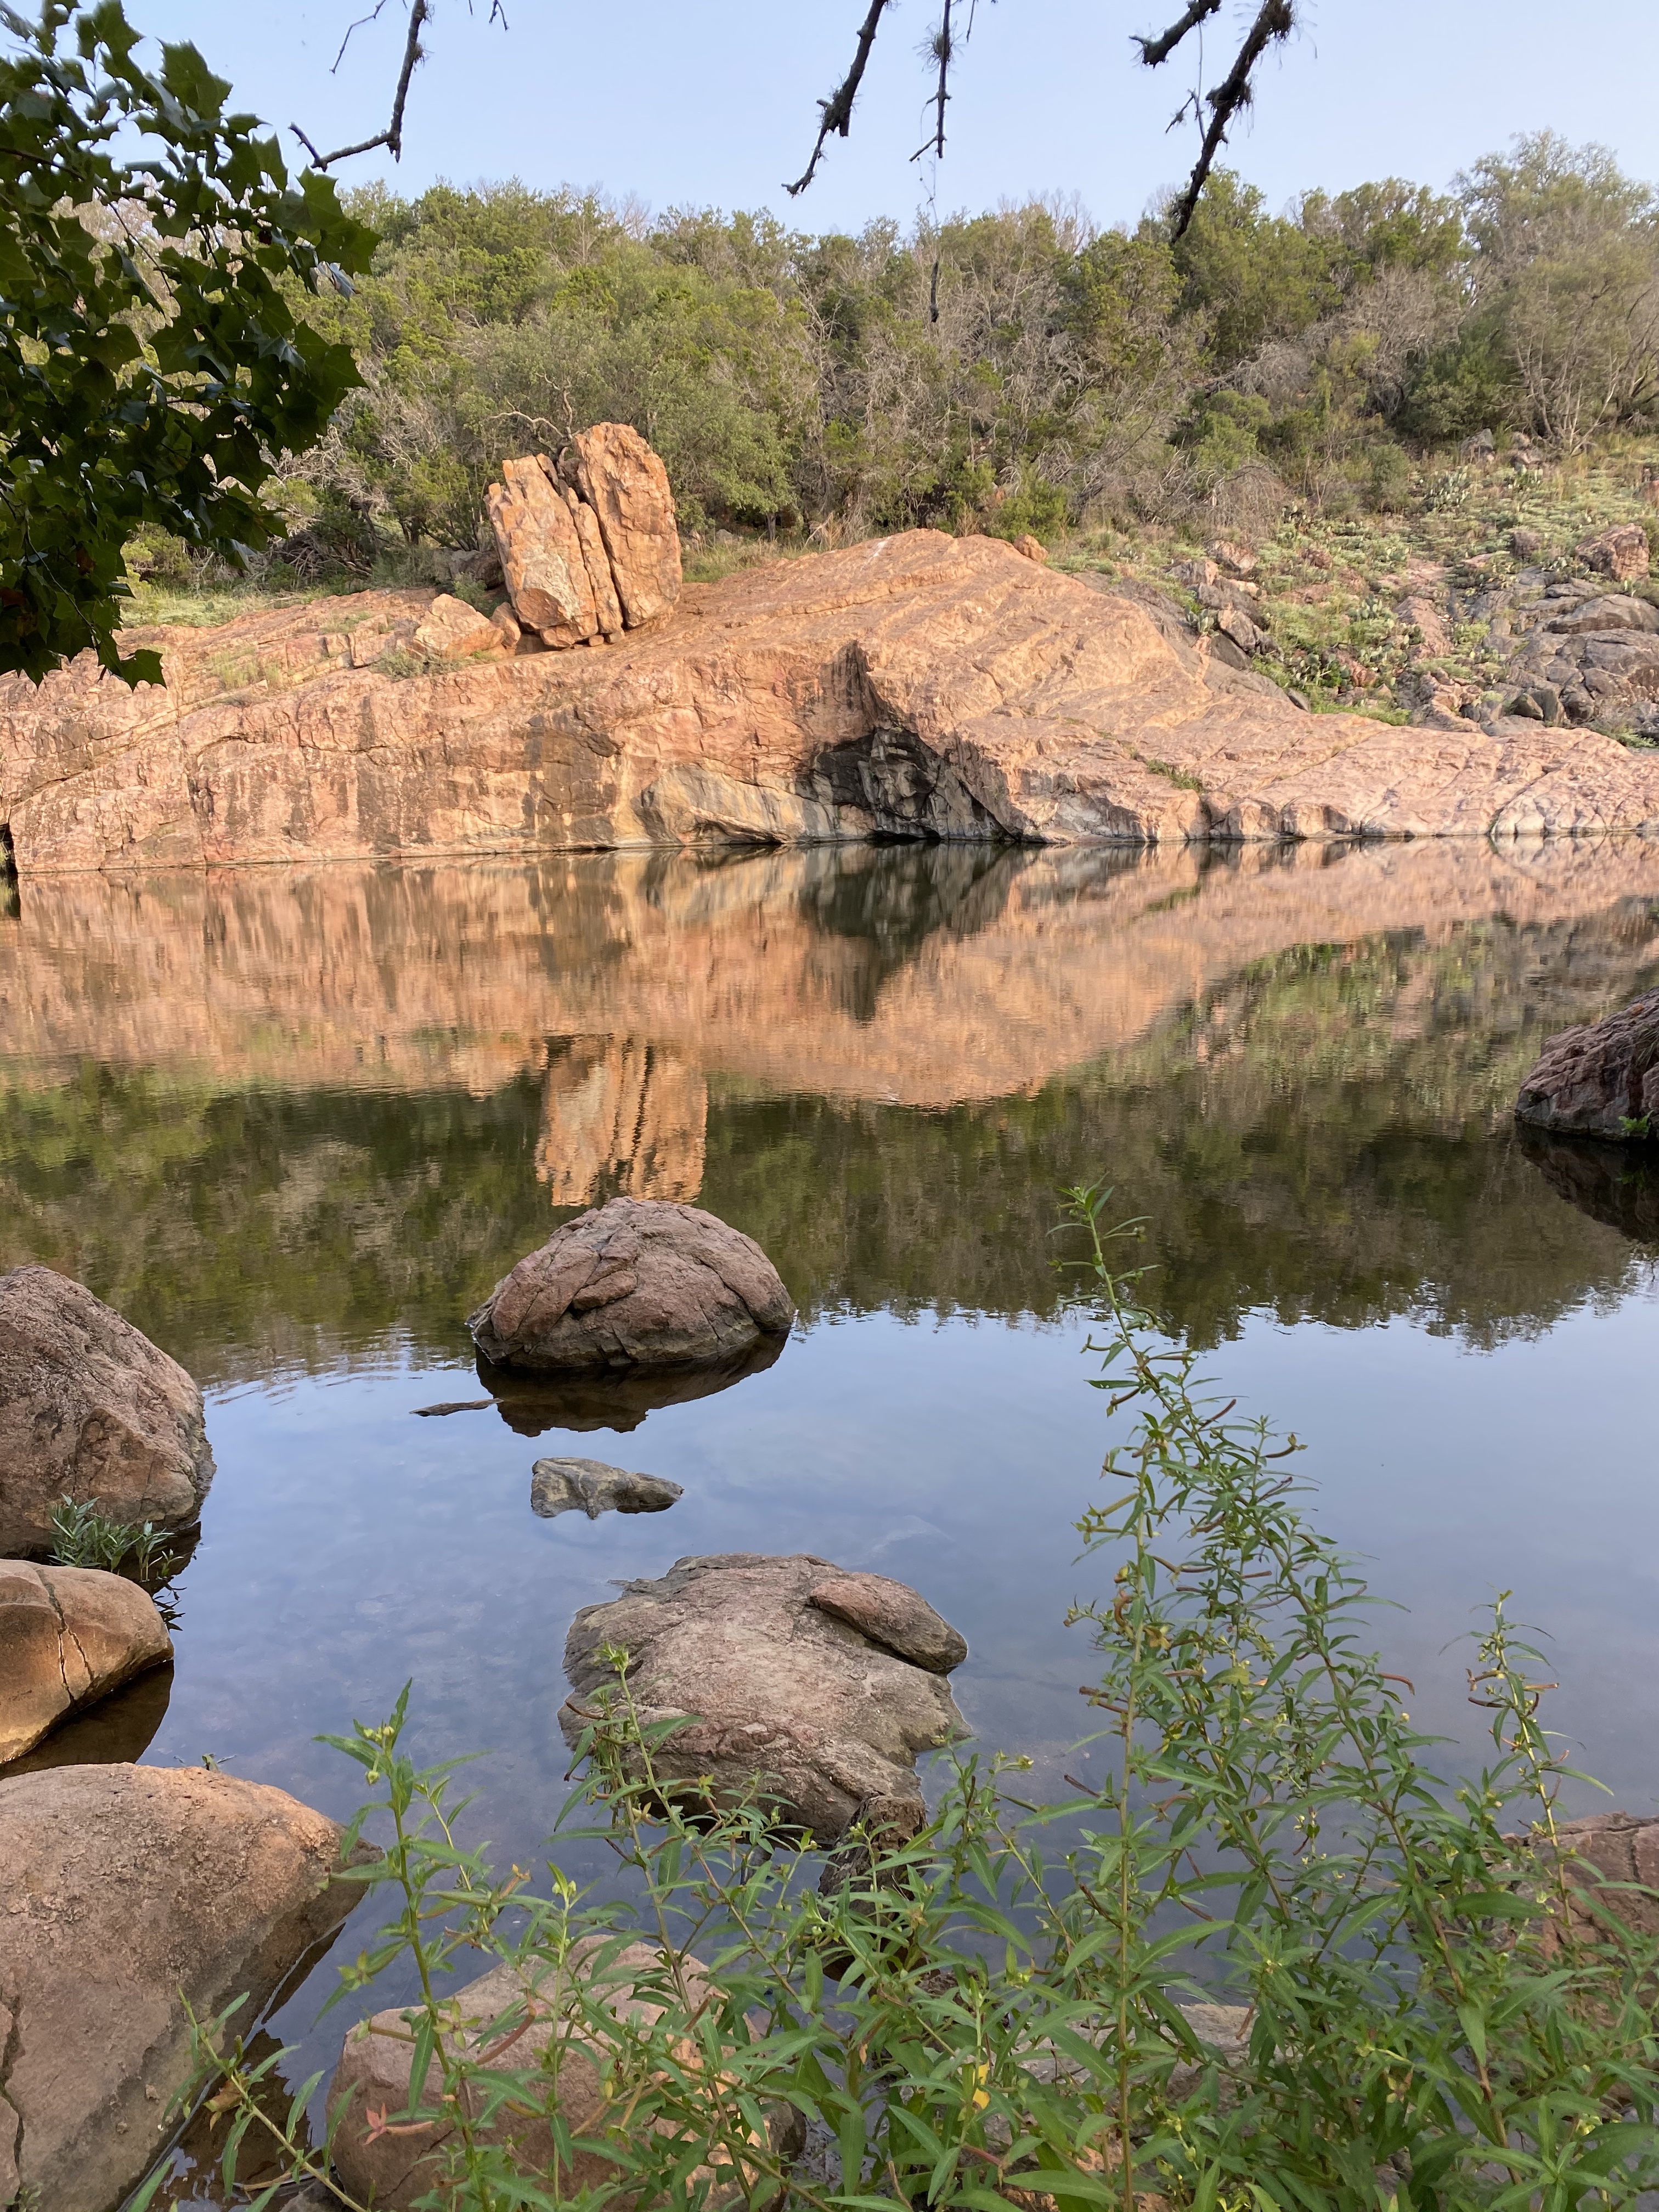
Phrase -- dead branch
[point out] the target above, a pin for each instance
(393, 137)
(1273, 24)
(944, 52)
(835, 113)
(1154, 51)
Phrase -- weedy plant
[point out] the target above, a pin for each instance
(81, 1536)
(1440, 2015)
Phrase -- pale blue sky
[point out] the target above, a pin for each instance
(712, 101)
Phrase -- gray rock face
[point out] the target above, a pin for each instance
(640, 1283)
(1600, 1079)
(124, 1886)
(68, 1637)
(815, 1685)
(90, 1409)
(588, 1486)
(1616, 1847)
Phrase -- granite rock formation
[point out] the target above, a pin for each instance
(918, 686)
(90, 1410)
(640, 1283)
(68, 1637)
(127, 1888)
(811, 1687)
(1600, 1080)
(588, 543)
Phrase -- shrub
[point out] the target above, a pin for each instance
(1429, 2024)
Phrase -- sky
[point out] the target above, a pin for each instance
(712, 102)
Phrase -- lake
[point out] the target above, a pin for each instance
(294, 1126)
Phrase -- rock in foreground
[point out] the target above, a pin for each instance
(90, 1409)
(124, 1886)
(1600, 1080)
(824, 1717)
(639, 1283)
(68, 1637)
(530, 2005)
(589, 1486)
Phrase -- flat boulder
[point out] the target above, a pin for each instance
(68, 1637)
(790, 1697)
(589, 1486)
(450, 629)
(638, 1283)
(129, 1889)
(1600, 1079)
(1621, 552)
(90, 1410)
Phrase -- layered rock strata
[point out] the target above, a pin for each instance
(92, 1410)
(805, 1686)
(642, 1283)
(68, 1637)
(129, 1890)
(918, 686)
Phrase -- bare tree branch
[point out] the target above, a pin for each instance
(835, 113)
(945, 53)
(393, 137)
(1273, 25)
(1154, 51)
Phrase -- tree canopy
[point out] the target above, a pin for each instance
(152, 365)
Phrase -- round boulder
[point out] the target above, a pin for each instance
(638, 1283)
(809, 1685)
(91, 1410)
(68, 1637)
(129, 1889)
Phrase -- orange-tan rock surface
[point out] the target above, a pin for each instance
(920, 686)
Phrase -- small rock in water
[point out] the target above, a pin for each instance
(453, 1405)
(68, 1637)
(588, 1486)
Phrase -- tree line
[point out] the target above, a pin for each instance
(1012, 371)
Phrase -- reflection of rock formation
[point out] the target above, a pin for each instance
(532, 1404)
(620, 1118)
(1618, 1184)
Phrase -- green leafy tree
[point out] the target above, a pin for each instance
(152, 366)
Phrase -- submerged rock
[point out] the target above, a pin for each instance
(640, 1283)
(129, 1889)
(792, 1694)
(68, 1637)
(91, 1410)
(588, 1486)
(533, 2005)
(1599, 1080)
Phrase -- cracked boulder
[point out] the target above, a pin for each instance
(90, 1410)
(638, 1283)
(129, 1890)
(1600, 1079)
(68, 1637)
(806, 1686)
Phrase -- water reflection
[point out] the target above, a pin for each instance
(1618, 1184)
(339, 1106)
(531, 1405)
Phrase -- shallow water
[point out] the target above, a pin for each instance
(295, 1126)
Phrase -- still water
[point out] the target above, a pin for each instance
(295, 1126)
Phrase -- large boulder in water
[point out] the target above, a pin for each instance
(811, 1687)
(129, 1890)
(68, 1637)
(1599, 1080)
(639, 1283)
(90, 1409)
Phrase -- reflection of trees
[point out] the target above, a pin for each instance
(1325, 1134)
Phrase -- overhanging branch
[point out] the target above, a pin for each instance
(835, 113)
(393, 137)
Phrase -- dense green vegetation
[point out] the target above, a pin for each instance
(1013, 371)
(157, 268)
